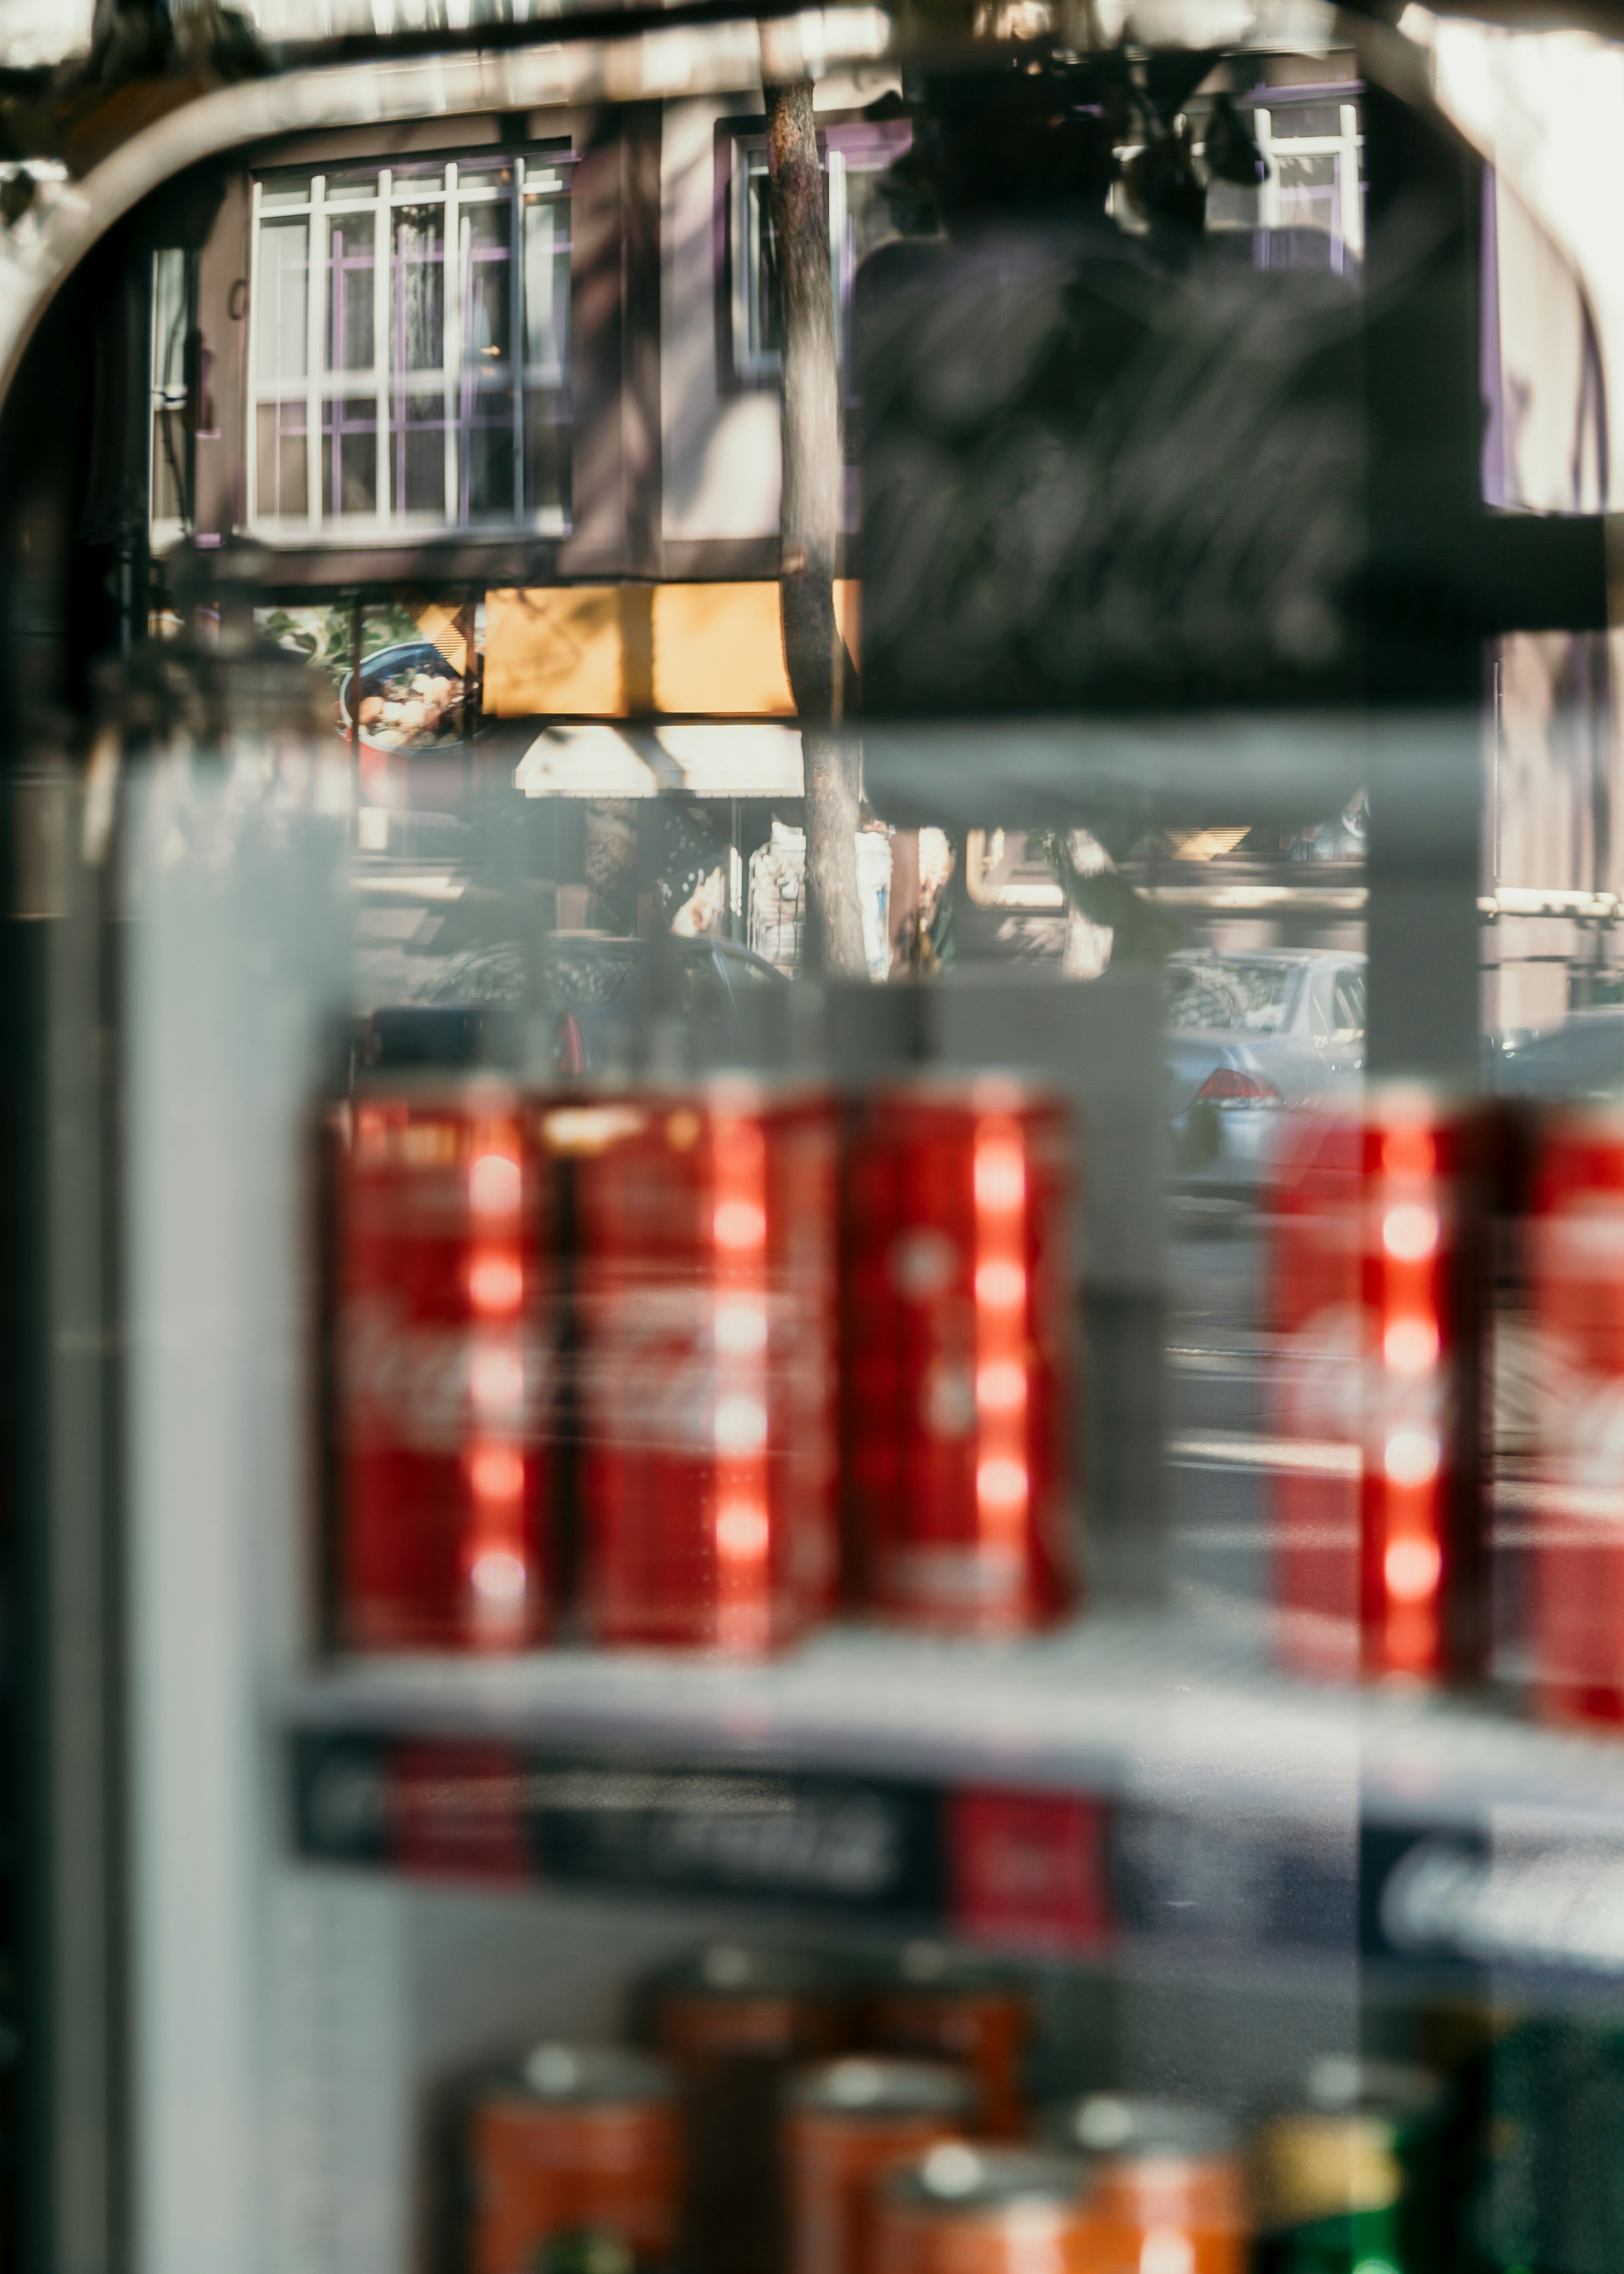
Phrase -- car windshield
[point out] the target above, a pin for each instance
(580, 974)
(1232, 995)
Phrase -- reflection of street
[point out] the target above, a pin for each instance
(401, 905)
(1221, 1455)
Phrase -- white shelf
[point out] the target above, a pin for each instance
(1178, 1712)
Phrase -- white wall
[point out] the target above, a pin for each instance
(1545, 108)
(721, 452)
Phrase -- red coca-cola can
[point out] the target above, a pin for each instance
(442, 1286)
(1378, 1277)
(960, 1379)
(703, 1244)
(1575, 1362)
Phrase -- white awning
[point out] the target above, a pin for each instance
(731, 760)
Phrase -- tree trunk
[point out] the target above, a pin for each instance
(812, 517)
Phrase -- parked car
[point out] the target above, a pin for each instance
(1248, 1036)
(602, 994)
(1584, 1057)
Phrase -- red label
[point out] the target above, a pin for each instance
(458, 1811)
(1029, 1869)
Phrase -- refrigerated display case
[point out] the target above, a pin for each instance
(643, 1580)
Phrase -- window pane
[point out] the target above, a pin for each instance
(168, 443)
(1299, 118)
(1231, 205)
(170, 299)
(477, 174)
(1349, 1017)
(284, 300)
(420, 454)
(488, 460)
(870, 223)
(283, 190)
(487, 286)
(762, 279)
(351, 245)
(169, 320)
(1308, 192)
(350, 457)
(871, 207)
(546, 455)
(419, 288)
(281, 466)
(546, 291)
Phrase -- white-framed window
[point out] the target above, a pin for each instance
(414, 374)
(1310, 211)
(855, 159)
(1314, 172)
(1311, 140)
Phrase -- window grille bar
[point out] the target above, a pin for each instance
(255, 268)
(518, 335)
(1269, 189)
(315, 351)
(451, 344)
(745, 261)
(1347, 182)
(840, 264)
(383, 270)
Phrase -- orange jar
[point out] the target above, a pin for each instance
(734, 2020)
(579, 2136)
(968, 2209)
(1168, 2183)
(940, 2005)
(849, 2122)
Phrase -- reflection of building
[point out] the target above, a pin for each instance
(1534, 100)
(1309, 211)
(778, 897)
(1554, 854)
(513, 349)
(529, 362)
(408, 347)
(519, 351)
(519, 370)
(1554, 834)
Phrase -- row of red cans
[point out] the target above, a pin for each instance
(1448, 1295)
(698, 1368)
